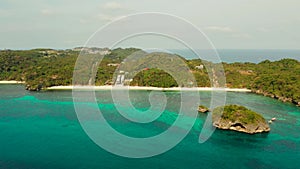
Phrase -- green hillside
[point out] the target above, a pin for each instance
(41, 68)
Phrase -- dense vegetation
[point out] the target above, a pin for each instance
(41, 68)
(238, 113)
(279, 79)
(239, 118)
(155, 78)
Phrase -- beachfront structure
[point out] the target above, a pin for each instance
(113, 64)
(101, 51)
(120, 80)
(199, 67)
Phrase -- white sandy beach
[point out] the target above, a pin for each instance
(11, 82)
(133, 88)
(146, 88)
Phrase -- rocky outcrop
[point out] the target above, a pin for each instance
(281, 98)
(34, 87)
(239, 118)
(203, 109)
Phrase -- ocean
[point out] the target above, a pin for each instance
(242, 55)
(41, 130)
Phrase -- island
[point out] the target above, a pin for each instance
(202, 109)
(239, 118)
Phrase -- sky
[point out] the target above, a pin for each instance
(230, 24)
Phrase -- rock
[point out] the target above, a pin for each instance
(278, 97)
(239, 118)
(34, 87)
(203, 109)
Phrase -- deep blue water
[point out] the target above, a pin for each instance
(243, 55)
(41, 130)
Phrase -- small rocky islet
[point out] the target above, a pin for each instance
(239, 118)
(203, 109)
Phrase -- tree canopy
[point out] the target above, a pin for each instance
(41, 68)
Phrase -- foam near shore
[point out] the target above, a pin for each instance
(146, 88)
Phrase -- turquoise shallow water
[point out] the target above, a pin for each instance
(41, 130)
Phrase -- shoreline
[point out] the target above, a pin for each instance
(11, 82)
(146, 88)
(109, 87)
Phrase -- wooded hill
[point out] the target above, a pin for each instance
(42, 68)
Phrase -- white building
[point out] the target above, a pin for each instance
(199, 67)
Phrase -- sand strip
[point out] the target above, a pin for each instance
(145, 88)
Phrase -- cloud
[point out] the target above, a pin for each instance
(262, 29)
(112, 5)
(46, 12)
(111, 11)
(229, 31)
(104, 17)
(100, 17)
(83, 21)
(5, 13)
(242, 36)
(225, 29)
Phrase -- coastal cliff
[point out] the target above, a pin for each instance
(239, 118)
(274, 96)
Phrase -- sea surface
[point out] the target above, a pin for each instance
(241, 55)
(41, 130)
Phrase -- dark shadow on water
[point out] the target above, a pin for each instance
(230, 138)
(255, 163)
